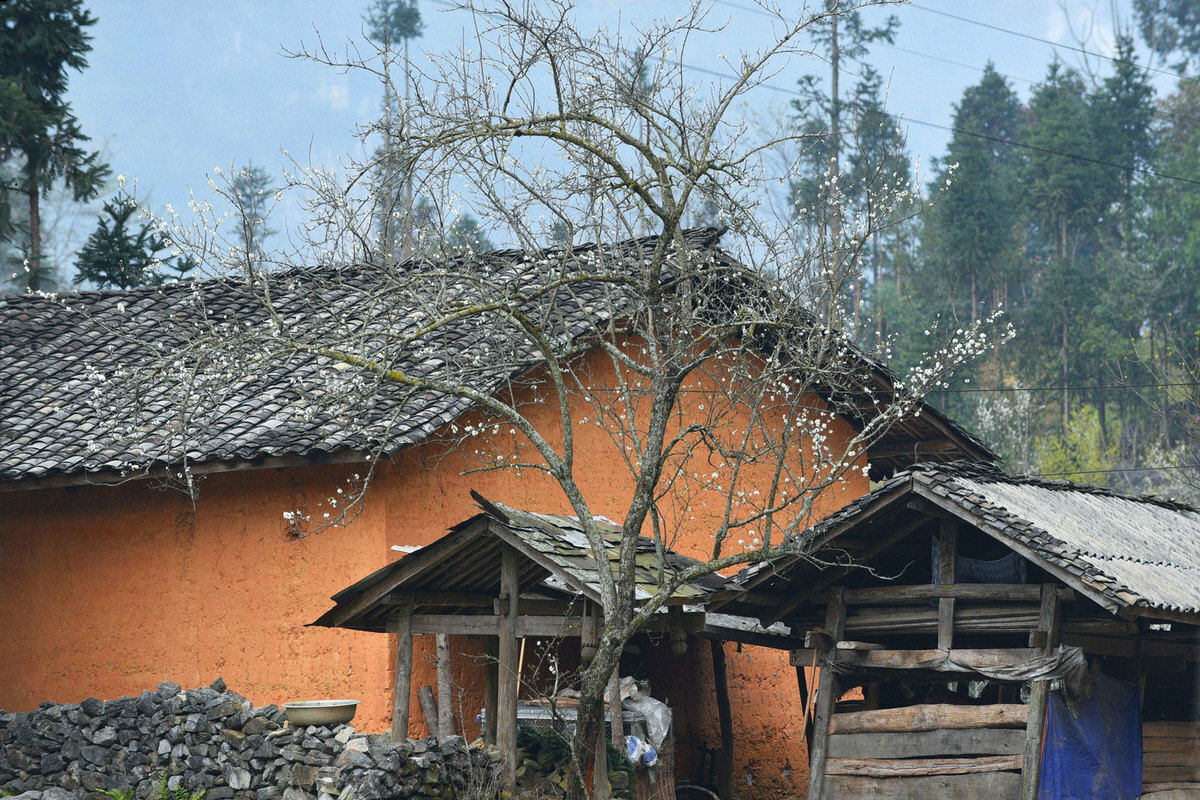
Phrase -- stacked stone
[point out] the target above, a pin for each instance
(213, 740)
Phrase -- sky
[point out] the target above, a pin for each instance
(174, 89)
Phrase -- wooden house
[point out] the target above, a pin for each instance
(977, 634)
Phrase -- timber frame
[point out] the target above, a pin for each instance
(876, 593)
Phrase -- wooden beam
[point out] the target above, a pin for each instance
(1031, 775)
(918, 744)
(429, 710)
(827, 691)
(489, 625)
(933, 659)
(445, 703)
(402, 686)
(915, 593)
(491, 688)
(909, 767)
(506, 700)
(930, 717)
(981, 785)
(947, 556)
(836, 574)
(1048, 618)
(725, 716)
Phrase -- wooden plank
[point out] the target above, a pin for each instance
(916, 593)
(1171, 790)
(489, 625)
(827, 691)
(1172, 729)
(989, 785)
(429, 709)
(929, 659)
(1163, 774)
(947, 555)
(1170, 744)
(506, 695)
(1048, 619)
(930, 717)
(908, 767)
(915, 744)
(402, 686)
(1031, 776)
(1167, 759)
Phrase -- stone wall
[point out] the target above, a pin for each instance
(212, 739)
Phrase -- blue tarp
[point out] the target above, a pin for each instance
(1096, 755)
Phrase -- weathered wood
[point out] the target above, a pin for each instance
(989, 785)
(445, 698)
(930, 717)
(615, 715)
(429, 709)
(947, 554)
(910, 744)
(1048, 618)
(1170, 744)
(1166, 759)
(725, 716)
(402, 686)
(911, 767)
(491, 688)
(827, 692)
(1171, 790)
(830, 577)
(899, 595)
(1170, 728)
(928, 659)
(1031, 776)
(489, 625)
(1164, 774)
(509, 678)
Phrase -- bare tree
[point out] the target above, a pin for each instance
(717, 372)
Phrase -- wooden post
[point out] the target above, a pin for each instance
(403, 683)
(445, 695)
(508, 679)
(724, 714)
(491, 689)
(947, 554)
(1035, 727)
(429, 710)
(827, 691)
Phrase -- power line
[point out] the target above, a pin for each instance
(1002, 389)
(1030, 36)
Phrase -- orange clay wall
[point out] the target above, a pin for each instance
(107, 591)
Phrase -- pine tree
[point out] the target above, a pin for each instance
(40, 40)
(121, 253)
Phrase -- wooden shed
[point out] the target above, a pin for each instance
(507, 574)
(977, 634)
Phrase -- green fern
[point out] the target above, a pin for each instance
(163, 792)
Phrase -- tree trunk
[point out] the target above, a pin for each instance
(34, 276)
(589, 723)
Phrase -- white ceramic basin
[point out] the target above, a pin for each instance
(320, 712)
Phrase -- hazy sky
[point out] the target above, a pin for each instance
(175, 89)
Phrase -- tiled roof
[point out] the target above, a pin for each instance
(556, 561)
(1124, 551)
(58, 355)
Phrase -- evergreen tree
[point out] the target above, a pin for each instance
(252, 191)
(391, 23)
(1171, 28)
(40, 40)
(125, 251)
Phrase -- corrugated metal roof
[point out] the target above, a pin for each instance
(1123, 551)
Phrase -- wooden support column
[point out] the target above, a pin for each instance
(445, 698)
(491, 689)
(600, 788)
(724, 714)
(402, 688)
(947, 554)
(827, 692)
(1035, 727)
(614, 710)
(508, 679)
